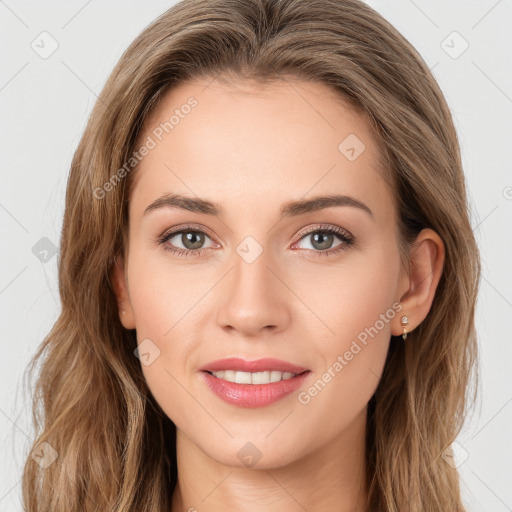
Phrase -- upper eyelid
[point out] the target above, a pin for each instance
(172, 232)
(324, 227)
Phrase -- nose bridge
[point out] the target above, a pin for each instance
(253, 298)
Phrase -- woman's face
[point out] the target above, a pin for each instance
(252, 283)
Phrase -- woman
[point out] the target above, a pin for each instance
(267, 273)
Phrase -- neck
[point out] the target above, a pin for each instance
(331, 477)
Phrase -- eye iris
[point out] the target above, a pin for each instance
(192, 239)
(322, 244)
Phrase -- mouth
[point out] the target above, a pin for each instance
(253, 383)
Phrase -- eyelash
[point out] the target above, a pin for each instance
(345, 237)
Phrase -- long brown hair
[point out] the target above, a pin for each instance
(115, 447)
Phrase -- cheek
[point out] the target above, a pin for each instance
(162, 302)
(358, 307)
(161, 294)
(350, 295)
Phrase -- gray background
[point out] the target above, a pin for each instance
(44, 105)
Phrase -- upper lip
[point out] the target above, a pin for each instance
(260, 365)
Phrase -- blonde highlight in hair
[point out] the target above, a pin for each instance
(115, 445)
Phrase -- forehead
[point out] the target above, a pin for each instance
(241, 142)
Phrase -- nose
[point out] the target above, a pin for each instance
(253, 298)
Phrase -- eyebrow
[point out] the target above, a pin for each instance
(291, 208)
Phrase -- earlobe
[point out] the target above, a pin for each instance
(427, 260)
(120, 285)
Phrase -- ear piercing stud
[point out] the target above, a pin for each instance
(404, 322)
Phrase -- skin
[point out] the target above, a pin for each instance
(251, 149)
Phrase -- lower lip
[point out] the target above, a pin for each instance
(253, 395)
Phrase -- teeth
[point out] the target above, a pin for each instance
(253, 378)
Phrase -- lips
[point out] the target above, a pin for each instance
(260, 365)
(253, 395)
(243, 394)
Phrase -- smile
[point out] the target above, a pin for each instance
(265, 377)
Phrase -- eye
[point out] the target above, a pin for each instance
(322, 238)
(191, 239)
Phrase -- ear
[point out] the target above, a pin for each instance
(419, 287)
(121, 290)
